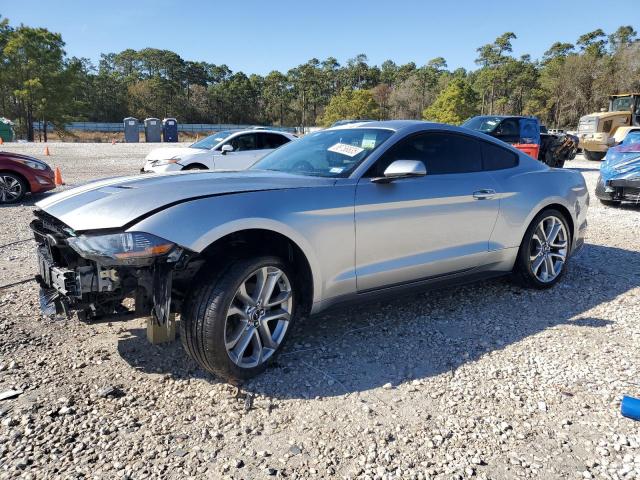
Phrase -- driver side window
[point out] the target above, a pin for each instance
(441, 153)
(244, 142)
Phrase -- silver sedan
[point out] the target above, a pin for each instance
(344, 214)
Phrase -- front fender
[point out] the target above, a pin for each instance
(321, 233)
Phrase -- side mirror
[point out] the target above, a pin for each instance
(611, 142)
(402, 169)
(226, 149)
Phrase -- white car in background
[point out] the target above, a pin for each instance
(226, 150)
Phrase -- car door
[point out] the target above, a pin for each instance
(245, 148)
(268, 142)
(417, 228)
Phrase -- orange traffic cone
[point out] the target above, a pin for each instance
(1, 141)
(58, 177)
(46, 150)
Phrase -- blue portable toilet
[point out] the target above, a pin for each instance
(170, 130)
(131, 130)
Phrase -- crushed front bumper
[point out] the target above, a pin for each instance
(621, 189)
(71, 283)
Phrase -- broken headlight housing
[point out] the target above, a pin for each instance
(168, 161)
(127, 248)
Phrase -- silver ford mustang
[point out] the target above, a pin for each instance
(343, 214)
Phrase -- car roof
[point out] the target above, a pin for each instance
(396, 125)
(236, 131)
(502, 117)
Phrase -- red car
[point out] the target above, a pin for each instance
(21, 174)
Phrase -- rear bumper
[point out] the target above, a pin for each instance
(580, 236)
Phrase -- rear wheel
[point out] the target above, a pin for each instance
(236, 320)
(544, 250)
(594, 156)
(12, 188)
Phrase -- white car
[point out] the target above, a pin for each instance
(226, 150)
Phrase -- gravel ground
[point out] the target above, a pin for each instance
(484, 381)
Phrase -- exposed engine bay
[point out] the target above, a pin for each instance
(98, 287)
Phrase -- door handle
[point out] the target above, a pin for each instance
(484, 194)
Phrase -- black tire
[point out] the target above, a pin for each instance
(195, 166)
(548, 159)
(610, 203)
(203, 320)
(16, 183)
(522, 271)
(594, 156)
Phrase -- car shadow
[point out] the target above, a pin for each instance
(635, 206)
(417, 336)
(582, 169)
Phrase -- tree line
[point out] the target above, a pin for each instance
(39, 82)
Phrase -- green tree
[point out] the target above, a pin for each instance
(624, 36)
(593, 43)
(277, 95)
(35, 70)
(492, 59)
(351, 104)
(455, 104)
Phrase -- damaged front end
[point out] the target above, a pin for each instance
(94, 273)
(620, 172)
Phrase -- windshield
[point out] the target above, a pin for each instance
(622, 104)
(632, 138)
(482, 124)
(211, 141)
(328, 153)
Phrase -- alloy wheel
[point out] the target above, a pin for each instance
(258, 317)
(10, 189)
(548, 249)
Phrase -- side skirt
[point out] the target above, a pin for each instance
(419, 286)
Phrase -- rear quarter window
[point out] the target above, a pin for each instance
(495, 157)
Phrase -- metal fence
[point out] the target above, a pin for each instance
(182, 127)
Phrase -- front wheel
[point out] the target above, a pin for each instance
(12, 188)
(544, 250)
(236, 320)
(195, 166)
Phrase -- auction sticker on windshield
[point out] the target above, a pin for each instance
(369, 141)
(344, 149)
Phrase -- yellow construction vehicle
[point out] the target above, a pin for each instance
(598, 131)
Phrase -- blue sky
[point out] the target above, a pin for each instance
(259, 36)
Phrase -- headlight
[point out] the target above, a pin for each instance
(129, 248)
(32, 164)
(169, 161)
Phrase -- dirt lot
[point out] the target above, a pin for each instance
(486, 381)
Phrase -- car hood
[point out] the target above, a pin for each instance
(166, 153)
(119, 202)
(621, 162)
